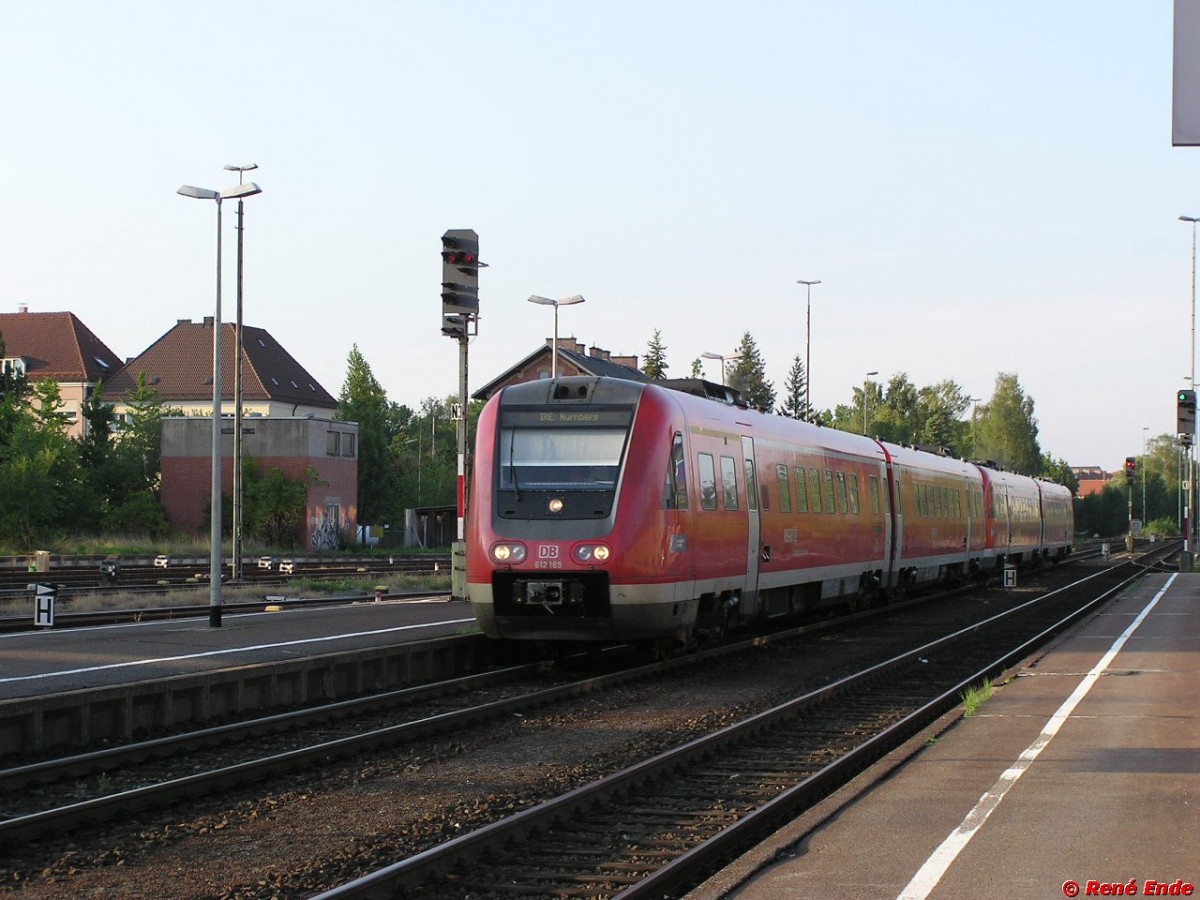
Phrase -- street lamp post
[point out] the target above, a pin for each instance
(214, 567)
(808, 347)
(1145, 451)
(866, 399)
(546, 301)
(708, 355)
(238, 487)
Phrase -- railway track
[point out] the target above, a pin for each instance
(660, 826)
(85, 576)
(133, 597)
(121, 783)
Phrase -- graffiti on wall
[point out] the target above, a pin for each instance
(325, 528)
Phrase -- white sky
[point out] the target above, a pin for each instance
(981, 188)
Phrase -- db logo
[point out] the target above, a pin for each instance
(548, 552)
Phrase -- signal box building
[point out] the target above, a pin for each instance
(291, 444)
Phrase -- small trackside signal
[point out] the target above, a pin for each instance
(460, 272)
(1130, 469)
(1185, 411)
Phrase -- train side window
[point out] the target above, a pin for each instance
(751, 485)
(873, 489)
(801, 490)
(842, 502)
(828, 492)
(708, 482)
(920, 491)
(785, 489)
(675, 489)
(853, 482)
(729, 482)
(814, 482)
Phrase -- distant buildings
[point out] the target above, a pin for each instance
(1092, 480)
(288, 417)
(572, 360)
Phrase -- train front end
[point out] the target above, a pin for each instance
(549, 555)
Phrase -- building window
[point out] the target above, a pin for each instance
(348, 445)
(333, 446)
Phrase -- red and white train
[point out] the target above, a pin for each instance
(604, 509)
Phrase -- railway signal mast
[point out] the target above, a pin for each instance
(1185, 427)
(460, 321)
(1130, 476)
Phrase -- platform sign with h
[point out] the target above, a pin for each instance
(43, 604)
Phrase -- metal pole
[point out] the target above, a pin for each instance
(1144, 456)
(1189, 507)
(462, 428)
(236, 571)
(214, 563)
(808, 356)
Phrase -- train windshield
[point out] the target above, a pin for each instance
(560, 458)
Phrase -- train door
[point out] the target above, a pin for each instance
(896, 511)
(749, 605)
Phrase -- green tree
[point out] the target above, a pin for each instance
(362, 400)
(275, 504)
(1007, 431)
(939, 410)
(99, 421)
(656, 358)
(1058, 470)
(697, 368)
(748, 375)
(795, 392)
(40, 476)
(126, 473)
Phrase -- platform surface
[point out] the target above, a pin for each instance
(66, 659)
(1079, 774)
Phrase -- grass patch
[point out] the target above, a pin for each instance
(973, 697)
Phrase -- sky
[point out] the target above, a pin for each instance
(980, 188)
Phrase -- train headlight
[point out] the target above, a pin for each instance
(591, 554)
(508, 554)
(555, 506)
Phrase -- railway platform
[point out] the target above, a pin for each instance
(1080, 776)
(74, 686)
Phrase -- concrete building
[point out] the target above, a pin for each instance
(292, 444)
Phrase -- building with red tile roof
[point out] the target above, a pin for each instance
(59, 346)
(179, 366)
